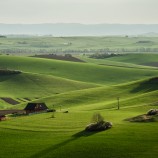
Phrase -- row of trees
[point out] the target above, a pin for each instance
(78, 51)
(2, 36)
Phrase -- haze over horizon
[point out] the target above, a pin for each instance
(83, 11)
(81, 23)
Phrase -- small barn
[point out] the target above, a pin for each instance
(35, 107)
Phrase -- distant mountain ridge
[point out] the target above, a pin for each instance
(68, 29)
(150, 34)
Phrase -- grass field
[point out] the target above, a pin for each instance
(42, 136)
(40, 45)
(141, 59)
(82, 89)
(76, 71)
(138, 60)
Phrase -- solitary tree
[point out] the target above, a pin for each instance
(97, 118)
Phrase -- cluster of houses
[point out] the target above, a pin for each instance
(30, 108)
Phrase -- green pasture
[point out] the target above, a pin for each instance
(42, 78)
(90, 73)
(132, 94)
(82, 89)
(39, 45)
(140, 59)
(33, 86)
(130, 60)
(37, 85)
(41, 136)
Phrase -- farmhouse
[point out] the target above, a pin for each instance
(35, 107)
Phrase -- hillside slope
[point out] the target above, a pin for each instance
(33, 86)
(140, 59)
(143, 92)
(90, 73)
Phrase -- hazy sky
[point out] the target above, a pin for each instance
(79, 11)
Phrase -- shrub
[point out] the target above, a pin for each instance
(51, 110)
(152, 112)
(98, 124)
(103, 55)
(66, 112)
(97, 118)
(9, 72)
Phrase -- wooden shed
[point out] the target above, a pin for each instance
(35, 107)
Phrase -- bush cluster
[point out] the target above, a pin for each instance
(9, 72)
(98, 124)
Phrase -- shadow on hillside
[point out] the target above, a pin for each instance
(52, 148)
(83, 134)
(147, 86)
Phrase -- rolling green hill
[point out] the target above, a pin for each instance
(33, 86)
(143, 92)
(90, 73)
(140, 59)
(124, 60)
(135, 60)
(45, 77)
(82, 89)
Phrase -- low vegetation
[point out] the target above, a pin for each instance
(66, 57)
(98, 124)
(9, 72)
(151, 116)
(104, 55)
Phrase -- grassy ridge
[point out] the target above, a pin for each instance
(40, 135)
(141, 59)
(126, 60)
(27, 85)
(131, 94)
(47, 84)
(76, 71)
(35, 85)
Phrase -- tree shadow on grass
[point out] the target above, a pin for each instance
(83, 134)
(52, 148)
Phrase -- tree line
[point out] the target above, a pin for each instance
(77, 51)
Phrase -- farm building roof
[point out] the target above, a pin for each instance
(32, 106)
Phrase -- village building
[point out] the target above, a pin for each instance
(35, 107)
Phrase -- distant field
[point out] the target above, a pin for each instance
(77, 45)
(140, 59)
(82, 89)
(66, 57)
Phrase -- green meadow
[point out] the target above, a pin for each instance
(82, 89)
(76, 45)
